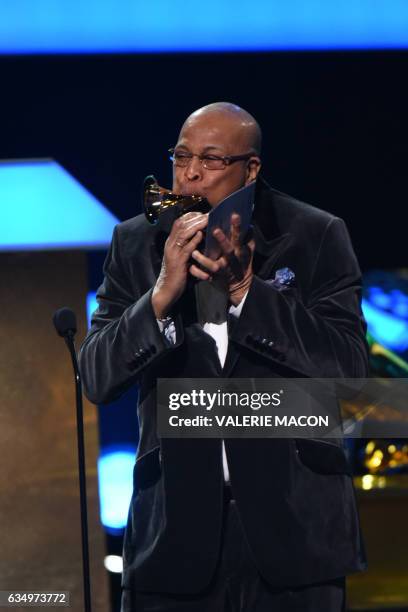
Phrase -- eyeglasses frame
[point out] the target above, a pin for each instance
(227, 159)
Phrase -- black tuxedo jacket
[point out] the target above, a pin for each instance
(295, 497)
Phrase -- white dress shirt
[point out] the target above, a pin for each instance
(219, 332)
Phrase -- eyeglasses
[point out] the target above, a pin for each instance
(210, 162)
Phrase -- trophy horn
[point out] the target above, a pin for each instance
(157, 199)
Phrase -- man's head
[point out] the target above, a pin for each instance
(224, 130)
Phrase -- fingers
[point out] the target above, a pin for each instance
(223, 241)
(184, 223)
(191, 246)
(186, 227)
(190, 215)
(198, 273)
(232, 244)
(235, 230)
(251, 245)
(213, 266)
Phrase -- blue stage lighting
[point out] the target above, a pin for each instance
(44, 207)
(91, 306)
(386, 327)
(115, 475)
(379, 298)
(85, 26)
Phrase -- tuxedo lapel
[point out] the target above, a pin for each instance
(156, 251)
(267, 252)
(265, 256)
(269, 245)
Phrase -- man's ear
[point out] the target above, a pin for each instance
(253, 167)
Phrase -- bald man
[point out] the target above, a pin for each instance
(251, 525)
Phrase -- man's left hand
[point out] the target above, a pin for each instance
(233, 267)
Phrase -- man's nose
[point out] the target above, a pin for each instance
(194, 169)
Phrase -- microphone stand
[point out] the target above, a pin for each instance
(69, 340)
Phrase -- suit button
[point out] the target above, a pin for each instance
(263, 344)
(153, 349)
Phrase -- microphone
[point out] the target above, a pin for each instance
(64, 321)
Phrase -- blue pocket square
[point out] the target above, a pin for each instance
(284, 278)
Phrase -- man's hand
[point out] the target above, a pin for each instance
(185, 235)
(234, 266)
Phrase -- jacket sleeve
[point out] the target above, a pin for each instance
(321, 337)
(124, 339)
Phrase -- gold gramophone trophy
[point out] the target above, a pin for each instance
(157, 200)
